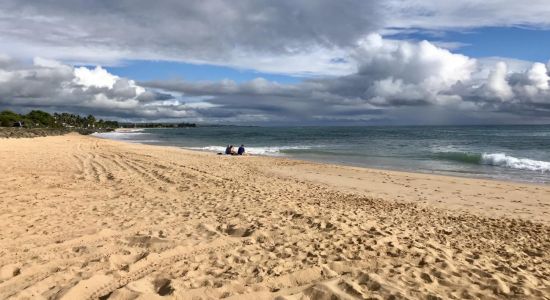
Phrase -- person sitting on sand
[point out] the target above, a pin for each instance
(233, 150)
(241, 150)
(228, 149)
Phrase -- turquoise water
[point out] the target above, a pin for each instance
(519, 153)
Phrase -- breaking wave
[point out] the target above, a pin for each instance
(128, 135)
(503, 160)
(496, 159)
(271, 150)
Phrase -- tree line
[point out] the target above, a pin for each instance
(38, 118)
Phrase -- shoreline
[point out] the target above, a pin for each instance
(87, 217)
(484, 169)
(489, 208)
(344, 164)
(318, 172)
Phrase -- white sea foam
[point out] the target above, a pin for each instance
(503, 160)
(272, 150)
(121, 135)
(142, 141)
(129, 130)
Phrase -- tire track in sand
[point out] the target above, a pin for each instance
(152, 264)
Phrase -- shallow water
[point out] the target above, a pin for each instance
(519, 153)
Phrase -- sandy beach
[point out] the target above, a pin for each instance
(88, 218)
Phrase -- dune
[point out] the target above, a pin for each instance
(88, 218)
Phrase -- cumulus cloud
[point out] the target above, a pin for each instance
(392, 77)
(394, 82)
(52, 85)
(538, 76)
(97, 77)
(400, 70)
(522, 92)
(497, 83)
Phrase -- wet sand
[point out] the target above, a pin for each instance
(84, 218)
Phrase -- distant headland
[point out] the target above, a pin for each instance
(41, 123)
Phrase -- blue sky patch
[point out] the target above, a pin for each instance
(514, 42)
(142, 70)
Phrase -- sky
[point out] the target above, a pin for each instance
(260, 62)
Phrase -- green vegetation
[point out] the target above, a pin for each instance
(42, 119)
(7, 118)
(71, 120)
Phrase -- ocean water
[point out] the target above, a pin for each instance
(517, 153)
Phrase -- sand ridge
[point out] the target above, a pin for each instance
(85, 218)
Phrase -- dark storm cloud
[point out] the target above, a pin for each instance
(217, 31)
(213, 31)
